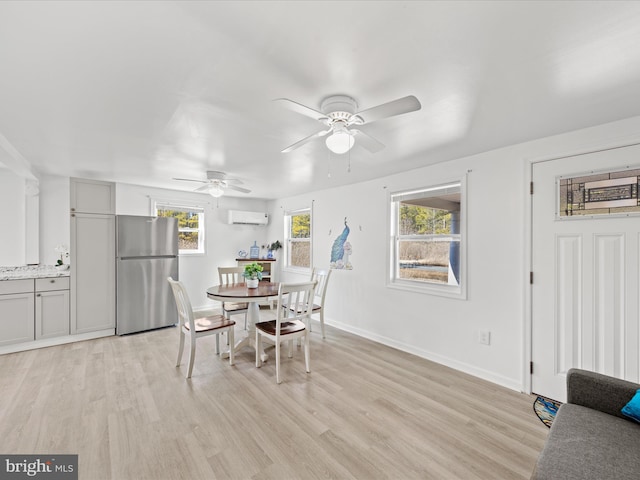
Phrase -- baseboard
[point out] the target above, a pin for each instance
(434, 357)
(50, 342)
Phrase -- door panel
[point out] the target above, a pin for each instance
(586, 280)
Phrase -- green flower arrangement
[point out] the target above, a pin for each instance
(253, 271)
(275, 246)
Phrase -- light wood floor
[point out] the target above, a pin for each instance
(365, 411)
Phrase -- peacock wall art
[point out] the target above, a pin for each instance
(341, 250)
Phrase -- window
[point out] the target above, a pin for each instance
(190, 227)
(427, 234)
(298, 239)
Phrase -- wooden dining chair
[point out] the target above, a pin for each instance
(322, 279)
(226, 276)
(195, 328)
(290, 323)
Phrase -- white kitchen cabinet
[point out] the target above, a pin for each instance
(51, 307)
(93, 196)
(93, 273)
(16, 311)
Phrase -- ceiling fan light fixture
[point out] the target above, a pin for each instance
(216, 191)
(340, 142)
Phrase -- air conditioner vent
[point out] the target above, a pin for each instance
(239, 217)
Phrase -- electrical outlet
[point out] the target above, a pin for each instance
(484, 337)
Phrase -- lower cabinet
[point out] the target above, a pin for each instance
(16, 317)
(52, 307)
(33, 309)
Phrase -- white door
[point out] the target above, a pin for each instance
(585, 276)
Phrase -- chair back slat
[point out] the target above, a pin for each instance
(229, 275)
(183, 304)
(295, 302)
(322, 279)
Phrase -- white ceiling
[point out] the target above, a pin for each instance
(140, 92)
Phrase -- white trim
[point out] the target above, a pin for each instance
(186, 207)
(528, 306)
(50, 342)
(287, 214)
(452, 291)
(427, 355)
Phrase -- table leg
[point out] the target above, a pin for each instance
(253, 316)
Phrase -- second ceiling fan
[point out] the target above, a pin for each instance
(339, 113)
(216, 183)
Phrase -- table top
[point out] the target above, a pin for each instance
(240, 290)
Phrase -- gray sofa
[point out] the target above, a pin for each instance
(590, 438)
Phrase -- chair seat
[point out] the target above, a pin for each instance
(315, 308)
(210, 323)
(286, 328)
(234, 307)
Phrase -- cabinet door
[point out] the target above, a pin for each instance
(16, 318)
(52, 314)
(92, 196)
(93, 273)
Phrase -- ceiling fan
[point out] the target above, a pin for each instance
(216, 183)
(340, 113)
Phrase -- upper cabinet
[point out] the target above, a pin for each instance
(93, 196)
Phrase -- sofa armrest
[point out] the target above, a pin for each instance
(599, 392)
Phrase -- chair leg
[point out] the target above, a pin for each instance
(306, 353)
(230, 338)
(180, 346)
(217, 344)
(322, 321)
(245, 320)
(192, 357)
(278, 362)
(258, 342)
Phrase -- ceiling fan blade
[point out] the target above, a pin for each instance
(302, 110)
(239, 189)
(367, 141)
(396, 107)
(214, 175)
(190, 180)
(306, 140)
(203, 188)
(235, 181)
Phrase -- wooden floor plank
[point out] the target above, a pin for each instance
(365, 411)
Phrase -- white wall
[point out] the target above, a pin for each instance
(198, 272)
(222, 241)
(12, 232)
(55, 220)
(439, 328)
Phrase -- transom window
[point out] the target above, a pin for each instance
(298, 239)
(427, 240)
(190, 227)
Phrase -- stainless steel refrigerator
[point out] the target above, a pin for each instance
(146, 254)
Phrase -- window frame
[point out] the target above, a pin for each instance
(184, 207)
(452, 291)
(288, 240)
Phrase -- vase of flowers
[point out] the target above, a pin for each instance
(63, 252)
(253, 274)
(274, 247)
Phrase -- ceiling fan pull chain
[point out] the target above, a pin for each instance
(328, 163)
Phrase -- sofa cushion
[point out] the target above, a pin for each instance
(588, 444)
(632, 409)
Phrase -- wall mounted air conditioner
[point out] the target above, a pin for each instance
(239, 217)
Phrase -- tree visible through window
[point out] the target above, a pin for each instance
(298, 239)
(190, 227)
(426, 238)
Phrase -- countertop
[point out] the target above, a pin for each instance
(28, 271)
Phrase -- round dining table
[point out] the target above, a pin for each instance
(240, 293)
